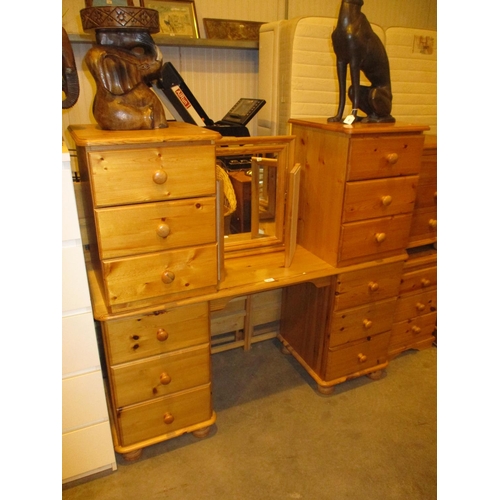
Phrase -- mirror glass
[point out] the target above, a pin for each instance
(253, 171)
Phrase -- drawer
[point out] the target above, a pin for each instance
(153, 227)
(165, 415)
(424, 224)
(368, 240)
(367, 285)
(357, 356)
(379, 198)
(160, 375)
(415, 304)
(419, 280)
(375, 157)
(157, 275)
(361, 322)
(152, 174)
(154, 333)
(426, 194)
(406, 334)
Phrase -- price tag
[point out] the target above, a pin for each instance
(349, 119)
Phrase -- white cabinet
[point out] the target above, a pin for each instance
(87, 446)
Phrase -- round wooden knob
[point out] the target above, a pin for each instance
(392, 158)
(160, 176)
(380, 237)
(433, 223)
(373, 286)
(425, 282)
(435, 195)
(161, 335)
(165, 379)
(362, 357)
(163, 230)
(420, 306)
(167, 277)
(168, 418)
(416, 329)
(367, 323)
(386, 200)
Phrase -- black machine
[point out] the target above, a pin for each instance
(185, 107)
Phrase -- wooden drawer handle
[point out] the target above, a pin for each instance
(161, 335)
(167, 277)
(165, 379)
(163, 230)
(168, 418)
(392, 158)
(373, 286)
(416, 329)
(425, 282)
(386, 200)
(433, 223)
(367, 323)
(420, 306)
(380, 237)
(362, 357)
(160, 176)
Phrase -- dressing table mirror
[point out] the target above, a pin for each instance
(258, 171)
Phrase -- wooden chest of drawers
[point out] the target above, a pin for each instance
(416, 308)
(423, 229)
(150, 197)
(357, 197)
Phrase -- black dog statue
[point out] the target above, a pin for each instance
(355, 44)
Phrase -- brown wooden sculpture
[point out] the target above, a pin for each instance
(355, 44)
(70, 83)
(124, 63)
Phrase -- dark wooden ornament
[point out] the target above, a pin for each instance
(356, 45)
(124, 62)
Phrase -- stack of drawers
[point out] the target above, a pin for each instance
(424, 222)
(152, 198)
(357, 196)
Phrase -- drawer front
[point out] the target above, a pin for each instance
(406, 334)
(131, 339)
(152, 174)
(416, 281)
(424, 224)
(160, 375)
(369, 239)
(375, 157)
(367, 285)
(426, 194)
(164, 415)
(159, 274)
(379, 198)
(153, 227)
(346, 361)
(361, 322)
(414, 305)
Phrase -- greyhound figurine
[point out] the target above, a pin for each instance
(355, 44)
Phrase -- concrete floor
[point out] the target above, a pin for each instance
(277, 438)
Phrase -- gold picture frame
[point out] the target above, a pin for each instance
(231, 29)
(177, 17)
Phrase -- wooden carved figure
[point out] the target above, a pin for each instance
(124, 63)
(355, 44)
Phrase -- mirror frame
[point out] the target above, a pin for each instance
(283, 148)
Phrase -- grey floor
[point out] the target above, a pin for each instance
(277, 438)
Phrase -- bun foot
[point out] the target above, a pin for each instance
(133, 455)
(375, 375)
(326, 391)
(284, 350)
(202, 433)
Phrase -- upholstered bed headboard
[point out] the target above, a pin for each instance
(297, 73)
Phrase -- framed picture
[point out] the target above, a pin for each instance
(228, 29)
(177, 17)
